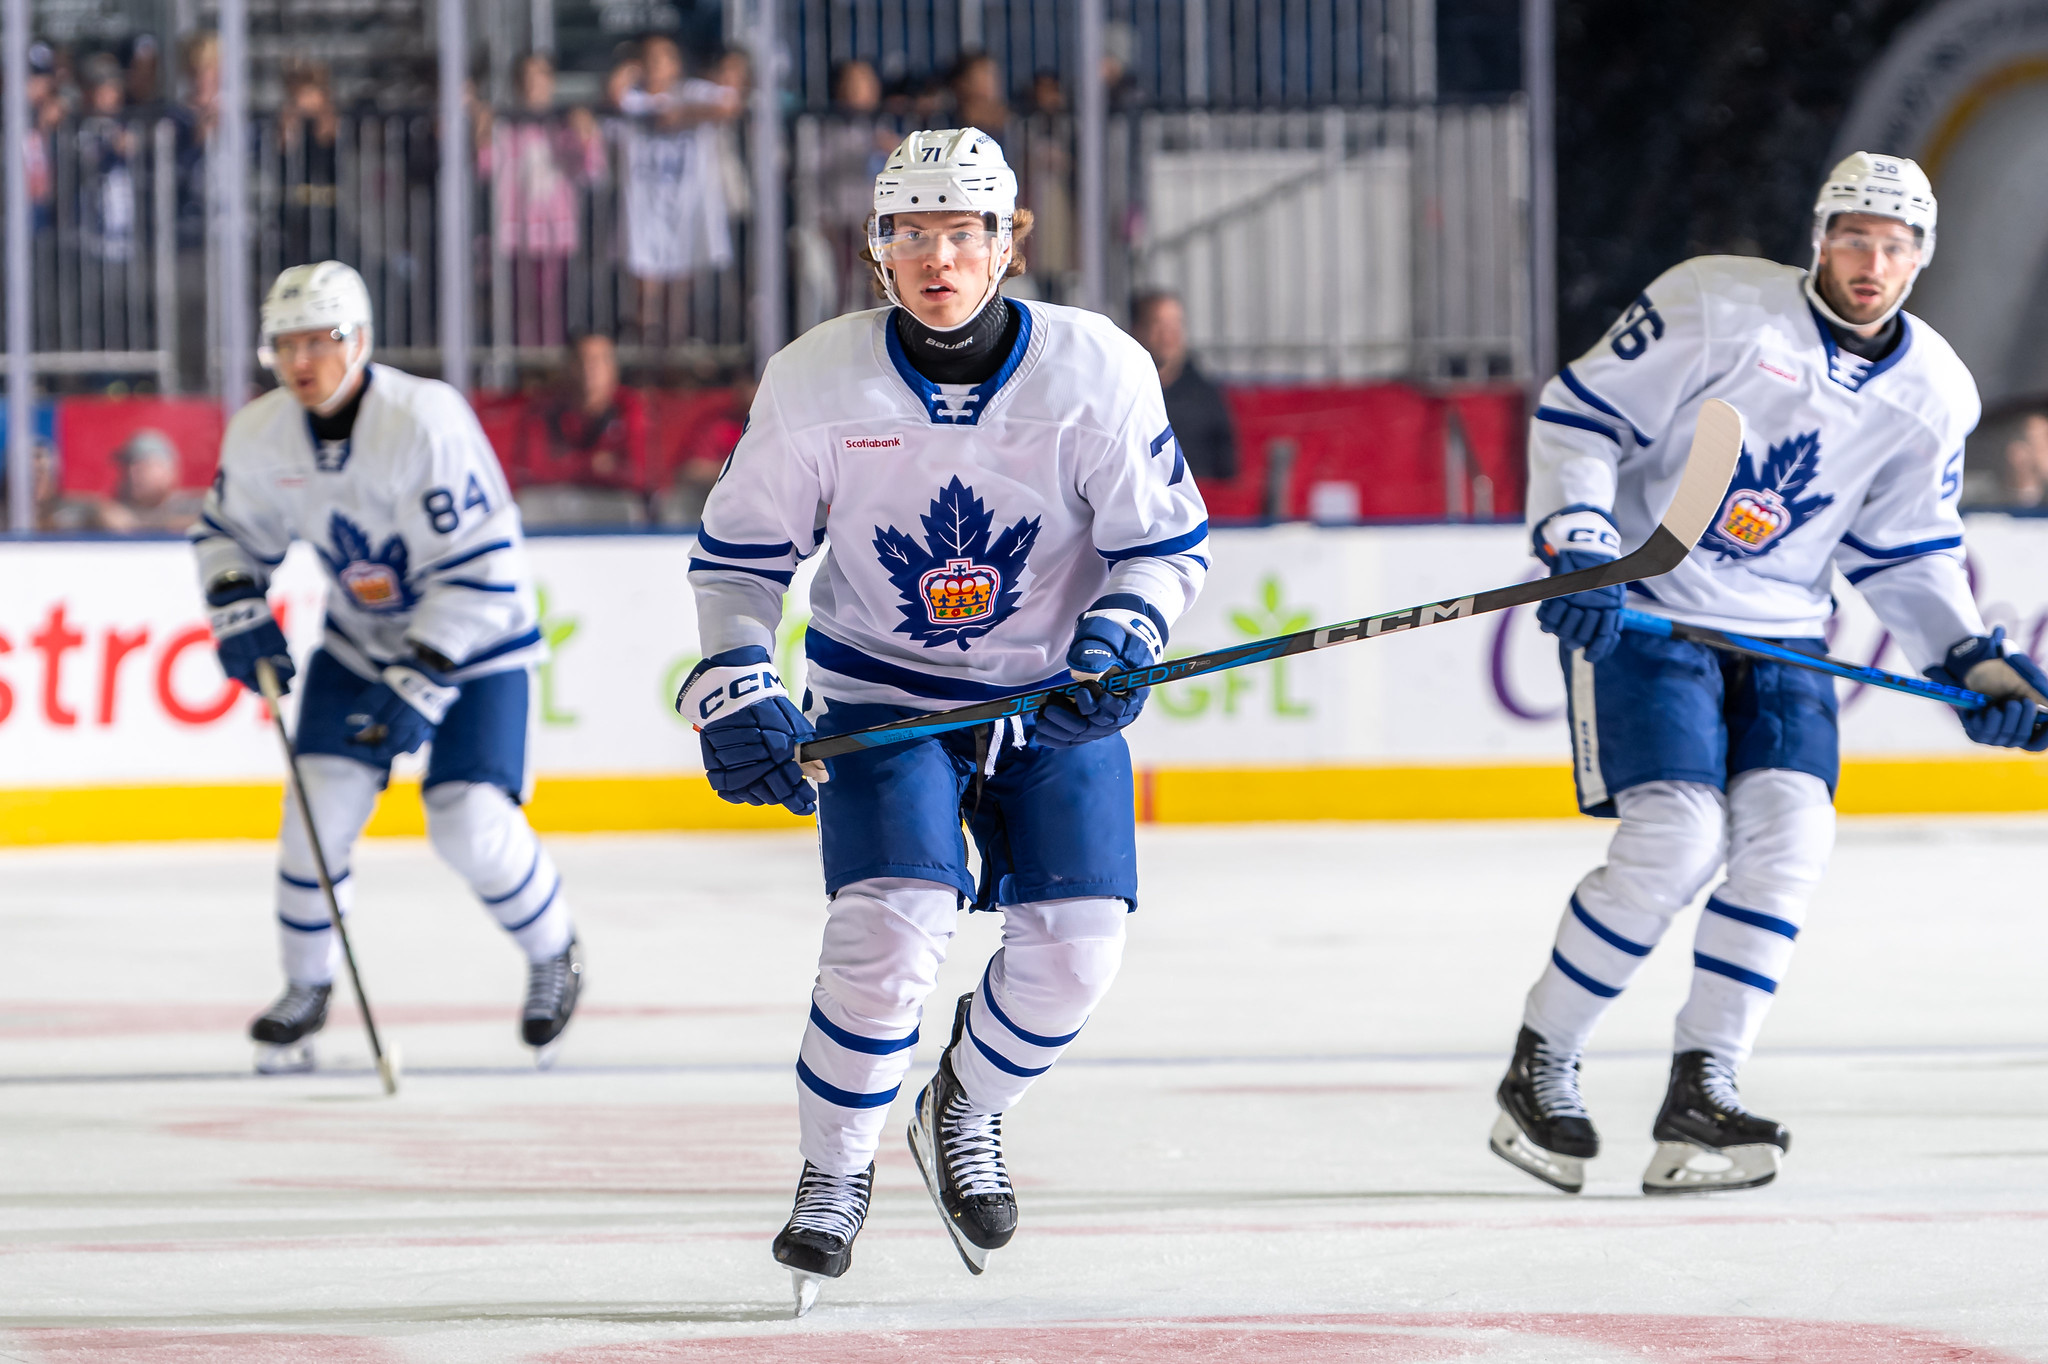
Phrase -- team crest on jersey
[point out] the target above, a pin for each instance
(1765, 505)
(957, 585)
(375, 581)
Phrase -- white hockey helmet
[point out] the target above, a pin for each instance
(1889, 186)
(946, 170)
(325, 296)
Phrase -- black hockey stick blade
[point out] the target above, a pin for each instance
(1716, 445)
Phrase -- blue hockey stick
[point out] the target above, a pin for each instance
(1962, 698)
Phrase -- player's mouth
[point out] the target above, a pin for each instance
(937, 289)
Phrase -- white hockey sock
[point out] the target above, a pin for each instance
(884, 940)
(1781, 831)
(343, 793)
(484, 836)
(1057, 961)
(1668, 845)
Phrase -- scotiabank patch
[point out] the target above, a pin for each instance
(851, 443)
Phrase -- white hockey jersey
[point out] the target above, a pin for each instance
(410, 515)
(1847, 463)
(969, 526)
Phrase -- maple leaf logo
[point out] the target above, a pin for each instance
(1764, 506)
(956, 586)
(375, 581)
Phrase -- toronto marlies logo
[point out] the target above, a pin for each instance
(1765, 505)
(375, 580)
(956, 586)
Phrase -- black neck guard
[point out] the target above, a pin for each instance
(337, 424)
(970, 355)
(1869, 347)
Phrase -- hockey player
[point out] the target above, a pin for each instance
(1856, 414)
(430, 635)
(1007, 508)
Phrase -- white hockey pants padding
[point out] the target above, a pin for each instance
(342, 793)
(1781, 829)
(1670, 843)
(1057, 960)
(484, 836)
(884, 940)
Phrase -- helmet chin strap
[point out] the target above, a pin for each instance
(1813, 294)
(345, 387)
(995, 283)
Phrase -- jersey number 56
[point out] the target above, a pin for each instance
(1639, 326)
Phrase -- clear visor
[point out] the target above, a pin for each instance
(1899, 248)
(966, 244)
(312, 345)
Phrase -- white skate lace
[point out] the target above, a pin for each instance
(1717, 1082)
(1555, 1077)
(833, 1204)
(297, 1003)
(973, 1145)
(546, 982)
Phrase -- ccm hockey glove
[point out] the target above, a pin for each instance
(405, 707)
(1119, 632)
(749, 731)
(244, 631)
(2015, 683)
(1573, 539)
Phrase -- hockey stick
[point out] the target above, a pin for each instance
(266, 678)
(1962, 698)
(1716, 444)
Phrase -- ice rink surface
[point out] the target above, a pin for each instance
(1269, 1144)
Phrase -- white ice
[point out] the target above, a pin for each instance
(1269, 1145)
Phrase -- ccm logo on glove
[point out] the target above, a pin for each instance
(711, 692)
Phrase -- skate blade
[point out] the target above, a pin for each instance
(1512, 1145)
(286, 1058)
(807, 1286)
(971, 1255)
(1680, 1167)
(544, 1058)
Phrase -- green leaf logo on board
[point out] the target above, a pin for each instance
(1226, 693)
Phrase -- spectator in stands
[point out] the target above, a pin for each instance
(703, 455)
(2026, 463)
(146, 492)
(193, 116)
(978, 98)
(106, 182)
(673, 200)
(1048, 187)
(536, 163)
(733, 73)
(53, 510)
(854, 146)
(593, 433)
(1195, 406)
(45, 112)
(310, 126)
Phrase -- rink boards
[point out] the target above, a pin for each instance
(115, 722)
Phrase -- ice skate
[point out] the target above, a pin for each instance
(1706, 1139)
(960, 1155)
(283, 1033)
(551, 990)
(1543, 1126)
(817, 1241)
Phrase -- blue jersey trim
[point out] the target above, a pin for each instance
(772, 575)
(1581, 979)
(847, 661)
(1782, 927)
(295, 926)
(1608, 935)
(461, 559)
(514, 928)
(1160, 549)
(513, 645)
(730, 550)
(1903, 551)
(1827, 340)
(1729, 969)
(845, 1098)
(988, 998)
(1000, 1061)
(1558, 416)
(980, 395)
(524, 882)
(475, 586)
(853, 1041)
(291, 880)
(1599, 404)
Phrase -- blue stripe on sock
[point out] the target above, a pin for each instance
(297, 927)
(1606, 934)
(1581, 979)
(988, 997)
(291, 880)
(853, 1041)
(1782, 927)
(845, 1098)
(998, 1060)
(1734, 972)
(524, 881)
(514, 928)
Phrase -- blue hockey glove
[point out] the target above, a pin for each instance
(749, 731)
(2015, 683)
(244, 631)
(1574, 539)
(1118, 633)
(405, 707)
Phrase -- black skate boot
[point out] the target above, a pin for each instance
(1706, 1139)
(817, 1241)
(1543, 1126)
(284, 1032)
(960, 1154)
(551, 990)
